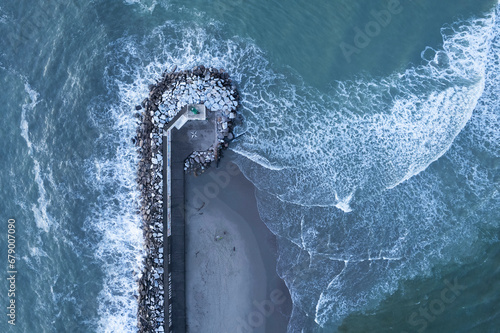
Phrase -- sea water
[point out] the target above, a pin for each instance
(370, 133)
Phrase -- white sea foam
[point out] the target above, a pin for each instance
(147, 5)
(258, 159)
(112, 173)
(364, 142)
(42, 218)
(343, 204)
(120, 248)
(29, 106)
(40, 211)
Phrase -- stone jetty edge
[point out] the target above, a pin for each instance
(167, 98)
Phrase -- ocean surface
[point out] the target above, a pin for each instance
(372, 133)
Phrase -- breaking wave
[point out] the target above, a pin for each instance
(369, 134)
(361, 151)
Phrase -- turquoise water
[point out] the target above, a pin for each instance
(377, 169)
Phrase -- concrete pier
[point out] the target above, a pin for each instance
(177, 134)
(196, 135)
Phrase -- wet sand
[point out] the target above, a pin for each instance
(231, 279)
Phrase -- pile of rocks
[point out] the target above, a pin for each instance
(198, 161)
(150, 182)
(167, 98)
(208, 86)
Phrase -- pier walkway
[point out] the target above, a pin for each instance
(178, 144)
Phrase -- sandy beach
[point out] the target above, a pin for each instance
(231, 280)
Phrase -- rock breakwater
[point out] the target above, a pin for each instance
(168, 100)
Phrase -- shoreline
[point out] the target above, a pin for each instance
(231, 279)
